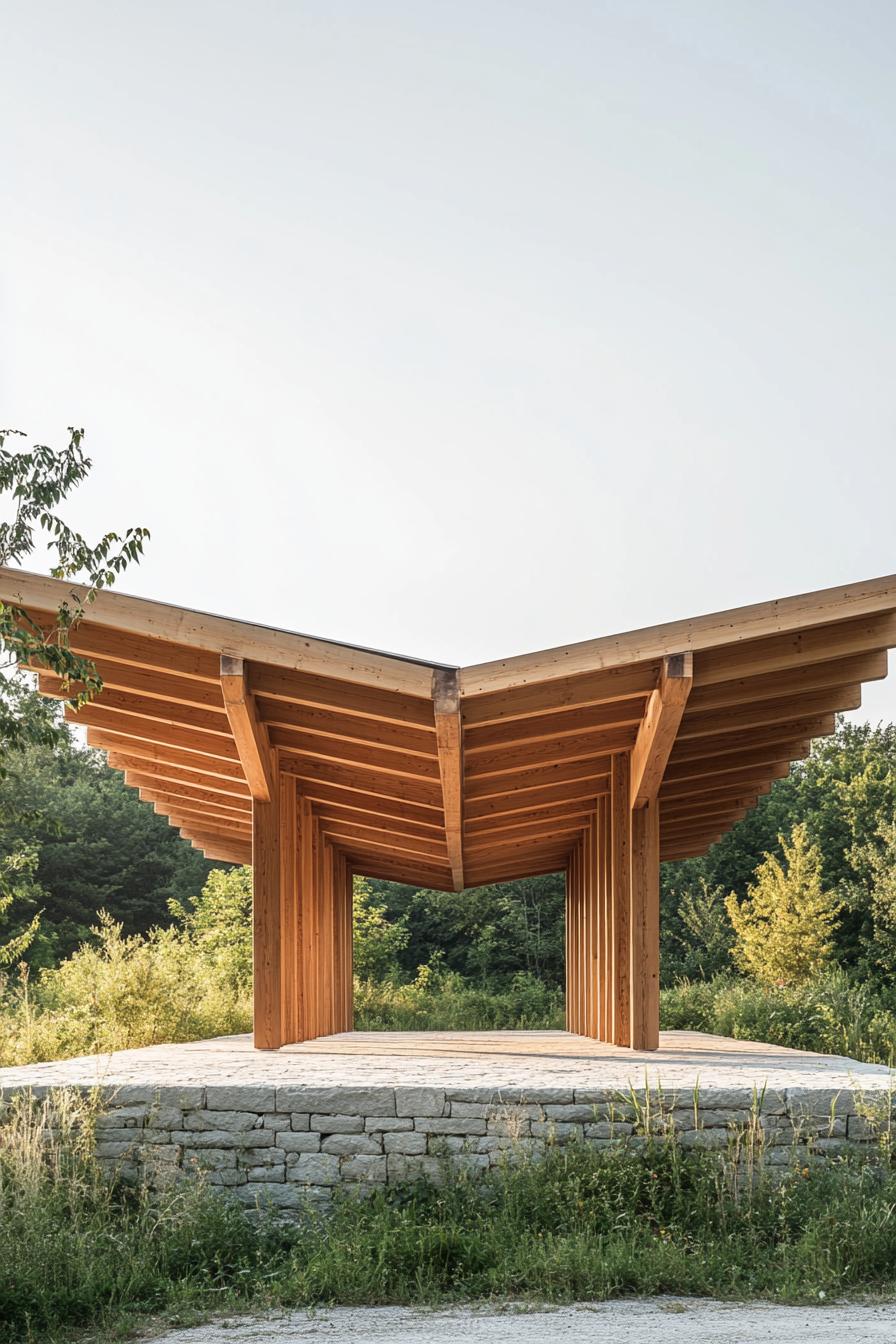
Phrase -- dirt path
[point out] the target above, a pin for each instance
(655, 1321)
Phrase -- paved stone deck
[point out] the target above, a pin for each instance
(521, 1060)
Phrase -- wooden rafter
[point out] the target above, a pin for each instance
(449, 737)
(249, 733)
(659, 727)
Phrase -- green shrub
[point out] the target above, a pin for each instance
(441, 1000)
(835, 1014)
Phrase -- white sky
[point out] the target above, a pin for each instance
(461, 329)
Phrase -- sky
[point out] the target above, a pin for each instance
(460, 329)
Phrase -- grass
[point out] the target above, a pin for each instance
(449, 1003)
(836, 1014)
(77, 1253)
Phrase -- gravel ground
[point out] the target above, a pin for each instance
(656, 1321)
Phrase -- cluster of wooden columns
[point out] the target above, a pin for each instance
(302, 921)
(612, 920)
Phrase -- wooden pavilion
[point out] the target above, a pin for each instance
(314, 761)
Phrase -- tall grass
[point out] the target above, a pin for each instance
(446, 1002)
(78, 1252)
(835, 1014)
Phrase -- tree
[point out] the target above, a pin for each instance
(95, 844)
(878, 861)
(35, 483)
(696, 936)
(785, 927)
(377, 940)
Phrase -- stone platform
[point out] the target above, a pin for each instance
(373, 1107)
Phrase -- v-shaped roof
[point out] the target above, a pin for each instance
(443, 776)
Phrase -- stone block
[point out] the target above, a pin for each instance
(338, 1124)
(224, 1138)
(300, 1120)
(170, 1117)
(116, 1150)
(344, 1144)
(384, 1124)
(582, 1115)
(420, 1101)
(603, 1129)
(362, 1167)
(213, 1159)
(556, 1131)
(509, 1124)
(235, 1121)
(124, 1117)
(447, 1124)
(160, 1154)
(469, 1164)
(819, 1102)
(269, 1195)
(548, 1096)
(276, 1122)
(337, 1100)
(315, 1169)
(275, 1174)
(241, 1097)
(290, 1142)
(155, 1135)
(704, 1138)
(470, 1110)
(402, 1169)
(261, 1157)
(228, 1177)
(413, 1144)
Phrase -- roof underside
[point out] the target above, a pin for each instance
(372, 737)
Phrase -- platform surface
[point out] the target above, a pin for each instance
(512, 1059)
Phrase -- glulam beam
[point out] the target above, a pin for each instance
(449, 739)
(659, 728)
(249, 733)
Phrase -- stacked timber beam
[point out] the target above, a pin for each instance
(317, 761)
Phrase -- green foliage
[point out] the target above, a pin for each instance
(80, 1253)
(785, 927)
(485, 934)
(182, 983)
(36, 482)
(17, 886)
(441, 1000)
(845, 792)
(96, 845)
(833, 1014)
(377, 941)
(217, 925)
(878, 865)
(699, 940)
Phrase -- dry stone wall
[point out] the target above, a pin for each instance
(283, 1146)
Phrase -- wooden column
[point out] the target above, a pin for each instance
(276, 915)
(266, 919)
(645, 928)
(620, 897)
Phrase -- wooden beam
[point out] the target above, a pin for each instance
(249, 733)
(781, 616)
(798, 680)
(568, 723)
(449, 737)
(659, 728)
(181, 626)
(561, 751)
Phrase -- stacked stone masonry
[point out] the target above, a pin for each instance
(283, 1146)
